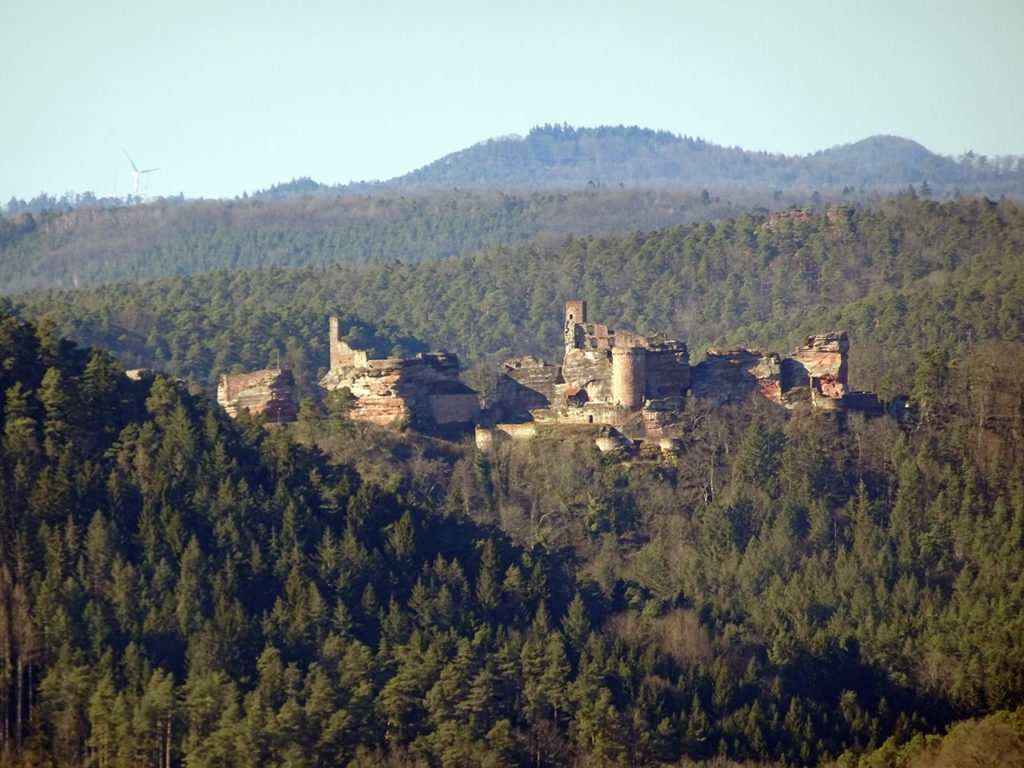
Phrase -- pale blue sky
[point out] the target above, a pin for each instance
(226, 96)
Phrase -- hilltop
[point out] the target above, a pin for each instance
(565, 156)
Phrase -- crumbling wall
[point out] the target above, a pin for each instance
(668, 372)
(589, 369)
(729, 375)
(452, 402)
(341, 353)
(527, 383)
(621, 367)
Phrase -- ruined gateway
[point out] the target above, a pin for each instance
(634, 385)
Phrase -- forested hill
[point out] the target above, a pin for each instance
(565, 156)
(181, 589)
(554, 182)
(87, 246)
(899, 278)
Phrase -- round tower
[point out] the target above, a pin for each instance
(628, 376)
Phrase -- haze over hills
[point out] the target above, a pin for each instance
(563, 156)
(556, 181)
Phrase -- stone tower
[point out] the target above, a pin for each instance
(629, 368)
(575, 312)
(575, 317)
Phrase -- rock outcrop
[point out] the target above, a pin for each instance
(526, 384)
(820, 364)
(267, 392)
(424, 390)
(730, 375)
(622, 380)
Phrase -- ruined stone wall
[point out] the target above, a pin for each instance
(341, 353)
(452, 402)
(637, 383)
(729, 375)
(590, 369)
(267, 392)
(489, 439)
(668, 373)
(575, 317)
(576, 311)
(527, 383)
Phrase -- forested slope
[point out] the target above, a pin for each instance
(180, 589)
(898, 277)
(88, 245)
(556, 181)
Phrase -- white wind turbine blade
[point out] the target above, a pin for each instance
(134, 168)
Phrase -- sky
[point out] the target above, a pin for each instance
(226, 97)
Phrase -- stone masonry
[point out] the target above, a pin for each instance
(623, 380)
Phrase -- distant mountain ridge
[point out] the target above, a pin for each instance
(563, 156)
(554, 182)
(566, 158)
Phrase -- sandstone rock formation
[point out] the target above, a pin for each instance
(729, 375)
(526, 384)
(424, 390)
(820, 364)
(621, 380)
(267, 392)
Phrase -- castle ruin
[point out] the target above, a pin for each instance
(267, 392)
(424, 391)
(636, 384)
(632, 384)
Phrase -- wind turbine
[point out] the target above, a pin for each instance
(135, 170)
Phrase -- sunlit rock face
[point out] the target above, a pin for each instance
(424, 390)
(267, 392)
